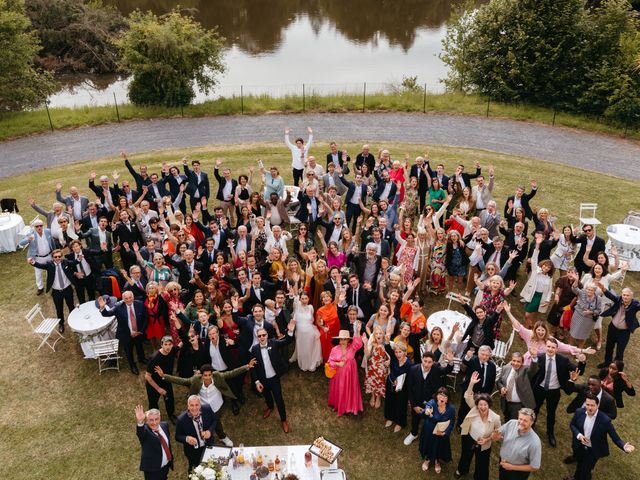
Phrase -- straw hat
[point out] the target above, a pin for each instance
(342, 335)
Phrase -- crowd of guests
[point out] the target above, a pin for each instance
(229, 285)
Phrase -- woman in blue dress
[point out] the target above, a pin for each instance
(435, 446)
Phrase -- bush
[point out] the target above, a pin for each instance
(167, 55)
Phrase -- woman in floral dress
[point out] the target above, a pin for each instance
(438, 255)
(493, 295)
(259, 239)
(377, 367)
(407, 255)
(411, 200)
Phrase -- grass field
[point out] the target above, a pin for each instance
(17, 124)
(61, 420)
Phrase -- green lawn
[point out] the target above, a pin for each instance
(61, 420)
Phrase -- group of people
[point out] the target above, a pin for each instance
(332, 273)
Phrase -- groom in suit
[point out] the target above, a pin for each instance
(194, 429)
(270, 366)
(156, 458)
(514, 384)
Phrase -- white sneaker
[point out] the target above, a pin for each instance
(408, 440)
(227, 441)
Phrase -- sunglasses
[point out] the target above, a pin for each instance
(57, 256)
(587, 230)
(260, 335)
(192, 336)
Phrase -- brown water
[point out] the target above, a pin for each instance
(275, 46)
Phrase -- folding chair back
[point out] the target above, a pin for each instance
(45, 328)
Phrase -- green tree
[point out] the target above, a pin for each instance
(168, 56)
(21, 85)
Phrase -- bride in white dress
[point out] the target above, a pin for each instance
(308, 352)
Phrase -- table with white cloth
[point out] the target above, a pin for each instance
(11, 224)
(89, 324)
(446, 319)
(626, 239)
(291, 457)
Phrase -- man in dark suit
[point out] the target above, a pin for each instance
(337, 157)
(136, 283)
(360, 297)
(419, 171)
(92, 218)
(520, 200)
(334, 282)
(481, 329)
(132, 318)
(141, 178)
(270, 366)
(515, 241)
(106, 194)
(198, 186)
(553, 374)
(496, 253)
(356, 193)
(463, 178)
(84, 276)
(99, 238)
(156, 191)
(367, 265)
(156, 457)
(486, 369)
(194, 429)
(365, 158)
(187, 269)
(74, 203)
(249, 327)
(589, 428)
(60, 279)
(375, 235)
(514, 384)
(606, 404)
(423, 381)
(439, 174)
(126, 234)
(309, 211)
(385, 188)
(127, 192)
(588, 240)
(226, 189)
(624, 322)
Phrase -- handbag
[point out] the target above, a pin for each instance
(329, 371)
(565, 319)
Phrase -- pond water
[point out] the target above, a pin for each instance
(276, 46)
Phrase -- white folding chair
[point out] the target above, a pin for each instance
(452, 378)
(107, 351)
(45, 328)
(501, 349)
(587, 214)
(453, 297)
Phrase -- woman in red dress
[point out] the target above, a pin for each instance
(157, 311)
(396, 174)
(327, 322)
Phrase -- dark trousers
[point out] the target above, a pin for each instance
(194, 455)
(469, 449)
(129, 344)
(161, 474)
(298, 176)
(415, 422)
(422, 194)
(353, 212)
(552, 397)
(60, 297)
(511, 410)
(219, 429)
(509, 475)
(618, 339)
(585, 462)
(273, 391)
(105, 260)
(86, 285)
(153, 396)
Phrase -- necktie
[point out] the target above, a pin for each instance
(165, 446)
(132, 319)
(203, 332)
(211, 257)
(355, 297)
(510, 383)
(80, 266)
(547, 377)
(60, 275)
(191, 270)
(483, 372)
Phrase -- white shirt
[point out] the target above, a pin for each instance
(357, 195)
(268, 368)
(83, 266)
(226, 190)
(216, 358)
(479, 201)
(514, 391)
(211, 396)
(161, 433)
(60, 280)
(102, 235)
(77, 209)
(554, 383)
(298, 156)
(129, 316)
(589, 422)
(196, 194)
(335, 235)
(42, 245)
(55, 227)
(517, 203)
(387, 189)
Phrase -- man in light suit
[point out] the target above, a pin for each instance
(270, 366)
(194, 429)
(514, 384)
(589, 428)
(156, 457)
(482, 192)
(78, 204)
(99, 238)
(132, 318)
(332, 179)
(40, 247)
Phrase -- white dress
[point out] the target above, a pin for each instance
(308, 351)
(563, 254)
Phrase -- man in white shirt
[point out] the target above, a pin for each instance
(278, 238)
(156, 457)
(299, 153)
(483, 193)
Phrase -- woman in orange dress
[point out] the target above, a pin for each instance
(327, 322)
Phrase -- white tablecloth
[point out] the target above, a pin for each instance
(91, 326)
(446, 319)
(626, 239)
(10, 226)
(291, 455)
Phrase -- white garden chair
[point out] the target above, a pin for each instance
(453, 297)
(501, 349)
(587, 214)
(107, 351)
(45, 328)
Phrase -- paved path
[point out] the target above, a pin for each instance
(597, 152)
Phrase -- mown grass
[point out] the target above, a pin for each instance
(17, 124)
(60, 420)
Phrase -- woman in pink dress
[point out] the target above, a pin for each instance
(396, 174)
(344, 387)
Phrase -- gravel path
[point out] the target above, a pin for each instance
(607, 154)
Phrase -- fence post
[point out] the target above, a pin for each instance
(488, 104)
(182, 110)
(424, 100)
(553, 122)
(46, 105)
(303, 105)
(241, 100)
(116, 103)
(364, 96)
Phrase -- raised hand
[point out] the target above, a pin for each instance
(140, 415)
(475, 378)
(309, 130)
(159, 371)
(252, 363)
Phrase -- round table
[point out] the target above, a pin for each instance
(11, 224)
(87, 321)
(446, 319)
(626, 238)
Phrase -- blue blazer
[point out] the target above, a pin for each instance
(246, 326)
(33, 246)
(185, 427)
(629, 314)
(151, 454)
(351, 189)
(122, 317)
(601, 428)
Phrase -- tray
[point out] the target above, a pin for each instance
(335, 450)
